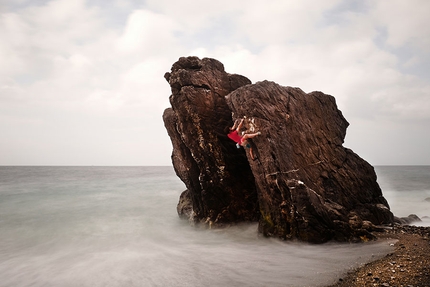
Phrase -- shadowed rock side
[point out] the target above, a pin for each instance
(303, 184)
(218, 178)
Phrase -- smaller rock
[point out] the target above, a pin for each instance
(185, 205)
(406, 220)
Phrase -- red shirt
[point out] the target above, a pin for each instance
(234, 135)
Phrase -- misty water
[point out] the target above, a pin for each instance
(118, 226)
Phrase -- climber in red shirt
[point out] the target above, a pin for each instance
(241, 138)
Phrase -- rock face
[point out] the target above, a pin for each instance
(302, 184)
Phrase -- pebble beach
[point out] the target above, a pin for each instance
(408, 265)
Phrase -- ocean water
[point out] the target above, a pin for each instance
(117, 226)
(407, 190)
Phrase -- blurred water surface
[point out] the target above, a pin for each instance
(117, 226)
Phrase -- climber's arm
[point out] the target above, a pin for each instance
(234, 125)
(240, 125)
(237, 125)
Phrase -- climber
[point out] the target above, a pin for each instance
(240, 138)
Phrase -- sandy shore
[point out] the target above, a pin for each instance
(408, 265)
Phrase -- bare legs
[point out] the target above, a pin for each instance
(245, 143)
(250, 136)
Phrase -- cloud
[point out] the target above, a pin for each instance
(73, 83)
(146, 32)
(194, 16)
(85, 74)
(282, 22)
(39, 37)
(343, 59)
(406, 23)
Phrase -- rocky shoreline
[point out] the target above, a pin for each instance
(408, 265)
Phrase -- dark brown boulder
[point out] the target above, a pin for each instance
(303, 184)
(310, 187)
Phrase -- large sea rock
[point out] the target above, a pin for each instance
(302, 183)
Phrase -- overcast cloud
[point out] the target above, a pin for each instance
(81, 82)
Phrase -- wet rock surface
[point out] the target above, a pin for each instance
(301, 183)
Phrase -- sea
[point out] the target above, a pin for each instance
(118, 226)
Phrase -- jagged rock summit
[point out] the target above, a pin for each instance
(300, 183)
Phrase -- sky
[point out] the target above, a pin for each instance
(82, 81)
